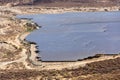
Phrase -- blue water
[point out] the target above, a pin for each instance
(73, 36)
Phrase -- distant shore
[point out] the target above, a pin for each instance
(55, 10)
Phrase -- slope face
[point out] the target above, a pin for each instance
(52, 1)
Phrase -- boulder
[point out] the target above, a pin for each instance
(9, 4)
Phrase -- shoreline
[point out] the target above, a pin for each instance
(56, 10)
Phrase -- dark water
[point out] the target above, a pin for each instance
(72, 36)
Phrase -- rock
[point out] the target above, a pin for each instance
(9, 4)
(17, 3)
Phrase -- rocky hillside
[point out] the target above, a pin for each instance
(77, 3)
(45, 1)
(63, 2)
(83, 1)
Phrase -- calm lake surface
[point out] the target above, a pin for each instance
(73, 36)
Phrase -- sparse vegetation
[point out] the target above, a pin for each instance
(8, 55)
(30, 26)
(103, 70)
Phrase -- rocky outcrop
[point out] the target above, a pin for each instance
(53, 1)
(78, 1)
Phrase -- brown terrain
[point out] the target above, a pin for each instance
(18, 57)
(64, 3)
